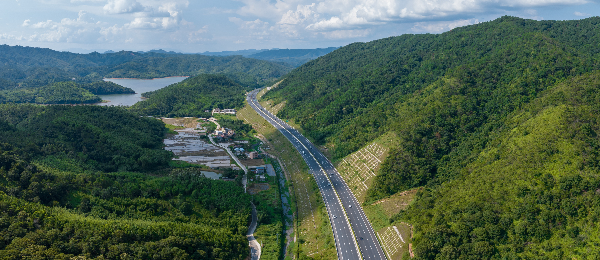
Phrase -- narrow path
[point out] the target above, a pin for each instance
(254, 245)
(255, 249)
(244, 180)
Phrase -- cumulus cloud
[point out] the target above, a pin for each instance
(67, 30)
(581, 14)
(87, 1)
(346, 34)
(435, 27)
(336, 15)
(123, 6)
(149, 14)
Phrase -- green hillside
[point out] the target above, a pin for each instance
(457, 102)
(56, 93)
(531, 193)
(68, 190)
(293, 57)
(98, 138)
(192, 97)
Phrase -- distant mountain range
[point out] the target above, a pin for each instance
(35, 67)
(293, 57)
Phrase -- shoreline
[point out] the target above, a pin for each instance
(150, 79)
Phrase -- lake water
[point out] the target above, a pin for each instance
(139, 86)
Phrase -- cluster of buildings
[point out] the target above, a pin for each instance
(251, 155)
(224, 132)
(260, 172)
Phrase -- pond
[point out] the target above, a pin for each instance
(139, 86)
(188, 146)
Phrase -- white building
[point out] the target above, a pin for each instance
(224, 111)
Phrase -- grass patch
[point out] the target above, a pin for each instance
(184, 164)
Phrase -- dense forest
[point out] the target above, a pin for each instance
(498, 121)
(67, 190)
(192, 97)
(106, 88)
(36, 67)
(63, 93)
(294, 57)
(101, 138)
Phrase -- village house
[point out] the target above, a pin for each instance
(224, 111)
(253, 155)
(224, 132)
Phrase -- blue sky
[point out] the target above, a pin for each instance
(200, 25)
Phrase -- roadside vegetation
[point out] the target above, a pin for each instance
(312, 230)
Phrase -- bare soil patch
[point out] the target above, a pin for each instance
(258, 187)
(253, 162)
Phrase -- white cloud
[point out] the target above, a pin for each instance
(346, 34)
(123, 6)
(436, 27)
(81, 29)
(361, 14)
(87, 1)
(302, 14)
(581, 14)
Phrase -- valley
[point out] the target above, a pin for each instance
(476, 143)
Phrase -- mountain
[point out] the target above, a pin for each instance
(497, 122)
(244, 53)
(36, 67)
(192, 97)
(294, 57)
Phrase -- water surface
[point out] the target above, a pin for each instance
(139, 86)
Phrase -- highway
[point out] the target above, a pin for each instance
(353, 234)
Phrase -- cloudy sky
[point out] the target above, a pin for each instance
(201, 25)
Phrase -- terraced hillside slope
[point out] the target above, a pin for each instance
(497, 122)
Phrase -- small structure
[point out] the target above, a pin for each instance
(253, 155)
(239, 150)
(261, 178)
(260, 170)
(224, 132)
(224, 111)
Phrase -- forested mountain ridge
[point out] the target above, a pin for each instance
(294, 57)
(192, 97)
(35, 67)
(63, 93)
(453, 98)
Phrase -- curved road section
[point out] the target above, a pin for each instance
(353, 234)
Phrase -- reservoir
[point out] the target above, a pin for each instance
(139, 86)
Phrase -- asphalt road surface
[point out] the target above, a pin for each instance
(353, 234)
